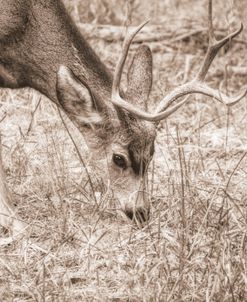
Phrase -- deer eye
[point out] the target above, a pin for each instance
(119, 160)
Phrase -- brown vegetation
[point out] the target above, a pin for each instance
(194, 246)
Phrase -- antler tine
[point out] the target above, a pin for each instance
(196, 85)
(120, 65)
(214, 45)
(118, 101)
(213, 49)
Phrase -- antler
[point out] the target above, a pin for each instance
(197, 85)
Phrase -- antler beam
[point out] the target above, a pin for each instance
(197, 85)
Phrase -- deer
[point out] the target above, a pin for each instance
(42, 48)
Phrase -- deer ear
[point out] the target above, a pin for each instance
(75, 98)
(140, 77)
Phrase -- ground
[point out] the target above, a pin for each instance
(194, 246)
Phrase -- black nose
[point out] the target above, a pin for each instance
(139, 215)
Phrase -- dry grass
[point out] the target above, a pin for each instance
(194, 247)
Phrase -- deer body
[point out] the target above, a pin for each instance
(41, 48)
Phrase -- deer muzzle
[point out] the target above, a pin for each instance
(138, 207)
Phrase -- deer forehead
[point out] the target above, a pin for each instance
(139, 133)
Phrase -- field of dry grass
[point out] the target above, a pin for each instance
(194, 247)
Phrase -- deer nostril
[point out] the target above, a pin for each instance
(139, 215)
(129, 214)
(142, 215)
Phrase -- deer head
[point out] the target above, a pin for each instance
(122, 145)
(121, 130)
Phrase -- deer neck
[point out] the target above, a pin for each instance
(32, 56)
(66, 46)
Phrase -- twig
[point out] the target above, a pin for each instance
(151, 33)
(32, 116)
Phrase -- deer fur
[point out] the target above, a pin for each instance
(41, 48)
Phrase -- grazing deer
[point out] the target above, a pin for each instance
(41, 48)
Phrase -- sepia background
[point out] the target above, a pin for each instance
(194, 246)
